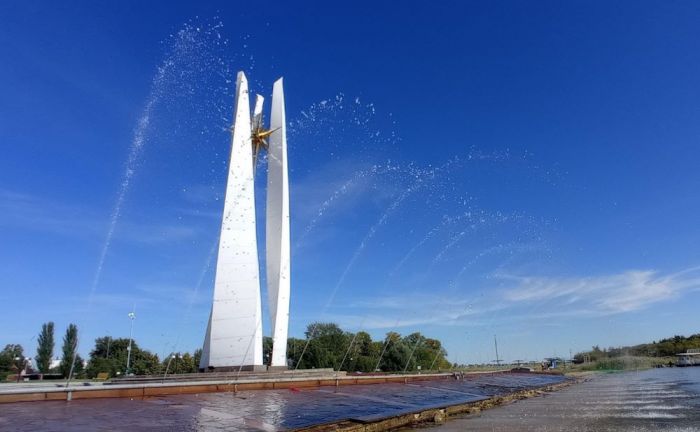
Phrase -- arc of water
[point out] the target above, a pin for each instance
(170, 359)
(420, 339)
(72, 363)
(135, 151)
(415, 247)
(250, 344)
(437, 353)
(193, 295)
(347, 351)
(417, 184)
(311, 335)
(130, 167)
(357, 253)
(385, 345)
(342, 190)
(351, 343)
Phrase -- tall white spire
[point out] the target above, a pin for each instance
(234, 334)
(277, 229)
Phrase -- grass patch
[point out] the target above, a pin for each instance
(623, 363)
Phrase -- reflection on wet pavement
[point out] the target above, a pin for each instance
(261, 410)
(654, 400)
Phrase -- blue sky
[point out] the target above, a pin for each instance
(460, 169)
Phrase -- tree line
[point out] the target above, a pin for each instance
(326, 346)
(668, 347)
(13, 360)
(109, 356)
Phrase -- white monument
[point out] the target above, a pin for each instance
(234, 333)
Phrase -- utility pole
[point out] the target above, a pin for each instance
(495, 343)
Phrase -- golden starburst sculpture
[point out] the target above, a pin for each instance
(259, 140)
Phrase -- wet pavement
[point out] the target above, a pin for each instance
(654, 400)
(266, 410)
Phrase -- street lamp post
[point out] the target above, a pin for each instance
(18, 361)
(132, 316)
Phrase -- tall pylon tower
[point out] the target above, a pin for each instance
(234, 332)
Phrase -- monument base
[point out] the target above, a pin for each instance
(244, 368)
(277, 368)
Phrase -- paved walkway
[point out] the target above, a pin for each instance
(261, 410)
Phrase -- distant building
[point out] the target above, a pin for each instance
(552, 363)
(689, 358)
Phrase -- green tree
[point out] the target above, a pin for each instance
(188, 365)
(326, 346)
(197, 356)
(70, 355)
(11, 359)
(44, 351)
(431, 355)
(323, 330)
(668, 347)
(145, 363)
(178, 363)
(361, 354)
(415, 342)
(294, 349)
(396, 353)
(109, 355)
(267, 350)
